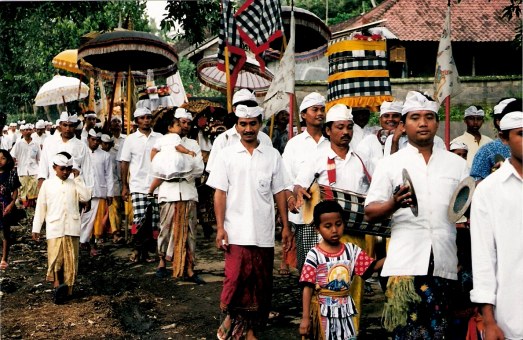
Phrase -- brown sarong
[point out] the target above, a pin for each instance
(177, 238)
(62, 255)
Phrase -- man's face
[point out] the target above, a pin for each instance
(314, 115)
(116, 126)
(473, 123)
(421, 127)
(89, 122)
(390, 120)
(461, 152)
(340, 132)
(106, 146)
(93, 142)
(26, 133)
(12, 128)
(48, 127)
(248, 129)
(67, 129)
(282, 118)
(515, 143)
(144, 122)
(40, 131)
(186, 126)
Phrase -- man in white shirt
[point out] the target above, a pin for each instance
(422, 256)
(473, 118)
(496, 233)
(65, 140)
(248, 178)
(39, 135)
(135, 160)
(337, 166)
(88, 124)
(93, 221)
(178, 200)
(116, 131)
(232, 136)
(26, 153)
(115, 208)
(297, 151)
(13, 135)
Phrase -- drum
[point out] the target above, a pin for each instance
(353, 206)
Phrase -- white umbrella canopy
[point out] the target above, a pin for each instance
(61, 89)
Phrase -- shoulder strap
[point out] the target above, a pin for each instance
(367, 174)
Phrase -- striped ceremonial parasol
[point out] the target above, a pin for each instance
(250, 76)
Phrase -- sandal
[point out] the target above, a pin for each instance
(223, 332)
(134, 257)
(4, 265)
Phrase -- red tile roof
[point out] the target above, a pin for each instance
(422, 20)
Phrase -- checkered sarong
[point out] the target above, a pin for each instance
(140, 203)
(306, 238)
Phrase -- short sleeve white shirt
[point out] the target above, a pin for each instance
(296, 153)
(27, 156)
(137, 151)
(413, 238)
(472, 146)
(496, 232)
(371, 150)
(250, 182)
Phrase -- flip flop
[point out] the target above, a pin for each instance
(224, 331)
(4, 265)
(134, 257)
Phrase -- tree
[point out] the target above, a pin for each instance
(34, 32)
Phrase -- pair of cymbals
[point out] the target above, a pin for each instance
(408, 183)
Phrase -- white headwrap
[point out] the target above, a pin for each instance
(415, 101)
(90, 114)
(388, 107)
(312, 99)
(80, 126)
(242, 96)
(116, 118)
(142, 111)
(243, 111)
(23, 127)
(339, 112)
(62, 160)
(40, 124)
(473, 111)
(457, 145)
(12, 125)
(93, 133)
(182, 113)
(107, 138)
(502, 104)
(512, 120)
(64, 117)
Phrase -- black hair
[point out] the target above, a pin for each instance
(325, 207)
(10, 164)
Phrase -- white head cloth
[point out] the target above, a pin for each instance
(501, 105)
(473, 111)
(40, 124)
(456, 145)
(312, 99)
(62, 160)
(90, 114)
(64, 117)
(12, 125)
(339, 112)
(80, 126)
(23, 127)
(242, 96)
(415, 101)
(118, 118)
(142, 111)
(93, 133)
(243, 111)
(388, 107)
(107, 138)
(512, 120)
(182, 113)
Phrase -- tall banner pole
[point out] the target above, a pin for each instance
(230, 86)
(128, 109)
(447, 122)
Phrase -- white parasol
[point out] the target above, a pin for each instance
(61, 89)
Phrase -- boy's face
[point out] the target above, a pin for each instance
(93, 142)
(331, 227)
(515, 143)
(62, 172)
(461, 152)
(106, 146)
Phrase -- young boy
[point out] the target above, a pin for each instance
(57, 205)
(328, 308)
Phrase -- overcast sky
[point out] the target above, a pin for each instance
(156, 10)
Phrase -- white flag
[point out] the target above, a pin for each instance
(446, 79)
(277, 97)
(177, 90)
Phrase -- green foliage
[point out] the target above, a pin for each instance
(34, 32)
(339, 10)
(195, 19)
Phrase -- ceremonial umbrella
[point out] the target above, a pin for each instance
(61, 89)
(312, 35)
(249, 77)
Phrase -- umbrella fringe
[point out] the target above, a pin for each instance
(123, 47)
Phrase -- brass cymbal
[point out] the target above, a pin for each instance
(408, 182)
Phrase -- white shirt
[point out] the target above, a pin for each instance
(250, 182)
(204, 142)
(118, 146)
(102, 174)
(4, 143)
(76, 148)
(137, 151)
(371, 150)
(357, 136)
(296, 153)
(472, 146)
(496, 233)
(39, 139)
(349, 171)
(27, 156)
(184, 190)
(117, 181)
(228, 138)
(402, 143)
(413, 238)
(57, 205)
(170, 139)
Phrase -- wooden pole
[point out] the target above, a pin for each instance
(112, 98)
(128, 109)
(230, 87)
(447, 122)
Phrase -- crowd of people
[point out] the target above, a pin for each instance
(441, 277)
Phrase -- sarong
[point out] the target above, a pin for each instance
(88, 219)
(306, 238)
(115, 214)
(101, 218)
(62, 255)
(357, 286)
(177, 238)
(28, 189)
(145, 223)
(247, 287)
